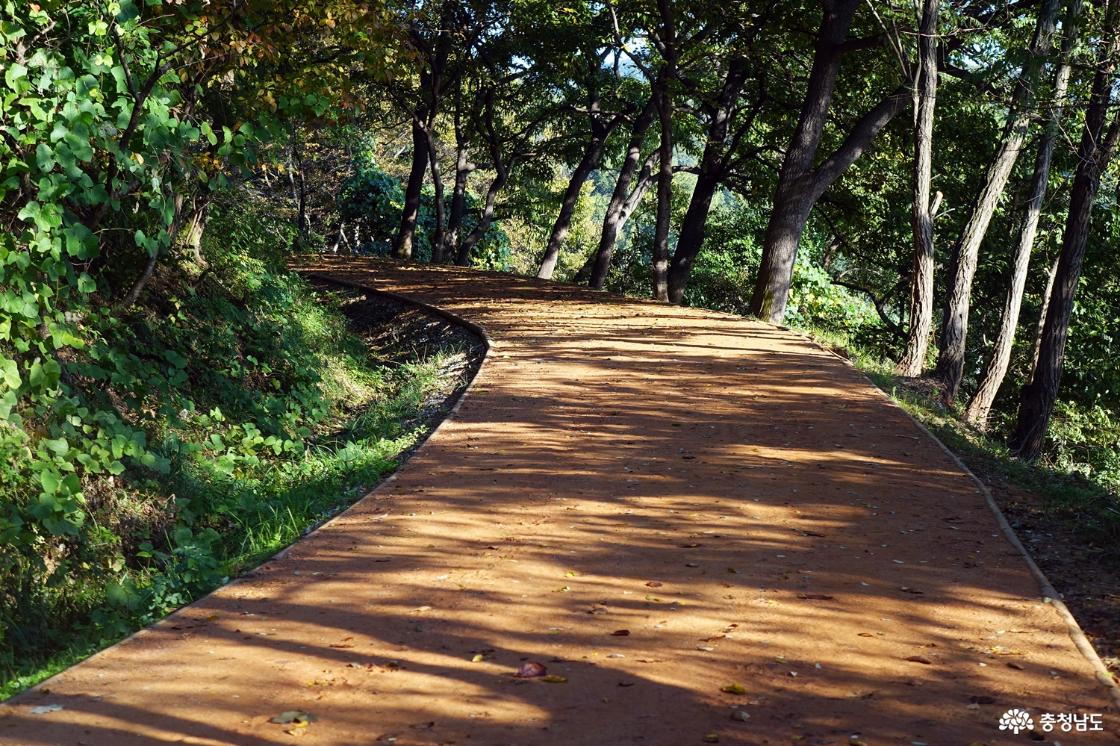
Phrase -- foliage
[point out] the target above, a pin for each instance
(237, 385)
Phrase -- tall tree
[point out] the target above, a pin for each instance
(965, 252)
(589, 81)
(666, 42)
(622, 201)
(1098, 142)
(719, 148)
(801, 182)
(921, 215)
(991, 380)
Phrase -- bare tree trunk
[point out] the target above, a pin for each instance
(692, 230)
(663, 98)
(463, 169)
(402, 245)
(484, 220)
(921, 217)
(438, 235)
(954, 323)
(800, 185)
(662, 222)
(588, 163)
(1037, 398)
(996, 369)
(614, 218)
(712, 171)
(502, 168)
(1044, 307)
(299, 185)
(339, 238)
(200, 207)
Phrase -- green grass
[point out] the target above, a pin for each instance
(276, 503)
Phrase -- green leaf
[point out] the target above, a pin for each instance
(14, 73)
(50, 481)
(9, 373)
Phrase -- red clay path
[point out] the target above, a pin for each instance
(653, 502)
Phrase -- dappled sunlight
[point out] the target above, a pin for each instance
(653, 502)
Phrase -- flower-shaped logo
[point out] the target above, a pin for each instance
(1016, 720)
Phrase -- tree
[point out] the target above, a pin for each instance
(954, 323)
(624, 198)
(430, 36)
(921, 216)
(591, 90)
(995, 370)
(800, 182)
(1098, 143)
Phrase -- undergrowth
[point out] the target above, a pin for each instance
(245, 413)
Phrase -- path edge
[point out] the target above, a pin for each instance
(487, 343)
(1050, 595)
(44, 686)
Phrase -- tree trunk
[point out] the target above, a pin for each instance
(996, 369)
(713, 167)
(1043, 308)
(588, 163)
(458, 198)
(663, 100)
(800, 185)
(660, 260)
(197, 225)
(1037, 398)
(691, 236)
(402, 245)
(614, 218)
(438, 235)
(954, 323)
(299, 192)
(484, 220)
(921, 216)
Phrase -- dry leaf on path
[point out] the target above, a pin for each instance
(531, 670)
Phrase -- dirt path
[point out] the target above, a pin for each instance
(743, 504)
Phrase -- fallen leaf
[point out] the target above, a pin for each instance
(554, 679)
(45, 709)
(293, 717)
(816, 596)
(920, 659)
(711, 738)
(478, 658)
(653, 584)
(733, 689)
(531, 670)
(620, 633)
(1016, 666)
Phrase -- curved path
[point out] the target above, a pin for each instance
(744, 505)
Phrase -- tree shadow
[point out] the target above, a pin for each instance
(655, 503)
